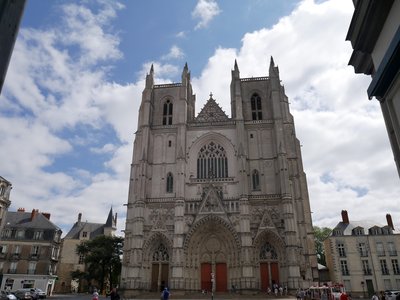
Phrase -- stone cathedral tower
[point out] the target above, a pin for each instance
(217, 201)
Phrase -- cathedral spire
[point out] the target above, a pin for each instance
(185, 74)
(235, 71)
(273, 71)
(150, 78)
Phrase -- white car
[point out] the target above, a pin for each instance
(391, 295)
(7, 295)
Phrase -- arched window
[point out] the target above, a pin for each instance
(170, 183)
(167, 113)
(212, 162)
(256, 111)
(255, 180)
(267, 251)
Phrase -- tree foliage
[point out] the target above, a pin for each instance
(102, 257)
(320, 234)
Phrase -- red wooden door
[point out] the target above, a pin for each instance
(206, 276)
(264, 276)
(221, 277)
(275, 272)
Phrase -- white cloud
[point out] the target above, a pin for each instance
(205, 10)
(174, 53)
(55, 99)
(181, 34)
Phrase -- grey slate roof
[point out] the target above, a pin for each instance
(95, 229)
(347, 228)
(23, 220)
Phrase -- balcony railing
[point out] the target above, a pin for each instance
(12, 271)
(393, 253)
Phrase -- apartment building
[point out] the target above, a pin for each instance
(363, 255)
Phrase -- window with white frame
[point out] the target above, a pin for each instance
(13, 267)
(363, 249)
(366, 269)
(380, 250)
(32, 267)
(38, 235)
(344, 268)
(395, 266)
(391, 249)
(341, 250)
(384, 268)
(35, 251)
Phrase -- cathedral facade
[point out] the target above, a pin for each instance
(217, 202)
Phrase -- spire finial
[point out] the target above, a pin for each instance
(211, 94)
(151, 69)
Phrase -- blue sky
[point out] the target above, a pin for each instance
(69, 105)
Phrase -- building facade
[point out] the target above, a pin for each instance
(364, 256)
(217, 202)
(5, 189)
(70, 261)
(11, 12)
(374, 33)
(30, 245)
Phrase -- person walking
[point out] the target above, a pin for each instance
(95, 295)
(165, 294)
(114, 294)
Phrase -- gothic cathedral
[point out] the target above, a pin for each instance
(217, 202)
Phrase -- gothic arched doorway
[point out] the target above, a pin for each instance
(160, 268)
(269, 267)
(212, 255)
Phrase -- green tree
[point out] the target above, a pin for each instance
(102, 258)
(320, 234)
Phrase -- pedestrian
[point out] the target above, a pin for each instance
(95, 295)
(114, 294)
(374, 297)
(165, 294)
(343, 296)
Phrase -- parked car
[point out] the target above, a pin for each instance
(40, 293)
(7, 296)
(391, 295)
(26, 294)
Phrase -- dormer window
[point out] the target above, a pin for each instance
(167, 113)
(256, 112)
(358, 231)
(337, 232)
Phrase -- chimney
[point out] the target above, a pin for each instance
(34, 212)
(21, 209)
(389, 221)
(345, 217)
(46, 215)
(79, 217)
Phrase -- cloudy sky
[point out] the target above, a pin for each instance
(68, 109)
